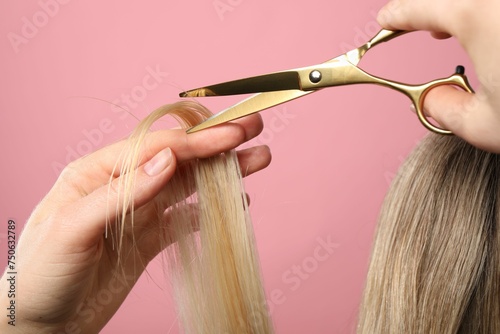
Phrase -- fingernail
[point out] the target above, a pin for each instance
(159, 162)
(412, 108)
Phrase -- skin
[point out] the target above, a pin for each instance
(474, 23)
(63, 260)
(73, 268)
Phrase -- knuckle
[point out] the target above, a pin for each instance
(114, 187)
(71, 174)
(459, 16)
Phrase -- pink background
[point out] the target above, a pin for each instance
(334, 152)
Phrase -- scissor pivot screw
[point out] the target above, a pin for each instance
(315, 76)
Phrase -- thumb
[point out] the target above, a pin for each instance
(87, 217)
(466, 115)
(417, 15)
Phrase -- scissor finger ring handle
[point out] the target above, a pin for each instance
(418, 96)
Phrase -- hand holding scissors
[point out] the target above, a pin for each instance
(475, 25)
(279, 87)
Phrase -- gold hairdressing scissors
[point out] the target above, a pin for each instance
(279, 87)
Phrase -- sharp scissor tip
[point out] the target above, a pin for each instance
(199, 92)
(197, 128)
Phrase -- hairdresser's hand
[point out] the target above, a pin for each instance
(65, 281)
(475, 24)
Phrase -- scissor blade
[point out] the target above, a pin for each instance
(263, 83)
(250, 106)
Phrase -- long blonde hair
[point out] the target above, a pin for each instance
(215, 271)
(435, 264)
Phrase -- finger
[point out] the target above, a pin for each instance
(86, 218)
(253, 159)
(200, 144)
(466, 115)
(250, 160)
(91, 212)
(252, 124)
(93, 171)
(212, 141)
(417, 15)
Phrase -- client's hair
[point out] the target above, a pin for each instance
(215, 270)
(435, 264)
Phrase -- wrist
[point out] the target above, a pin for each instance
(12, 323)
(21, 327)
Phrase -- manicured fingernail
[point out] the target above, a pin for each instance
(412, 108)
(159, 162)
